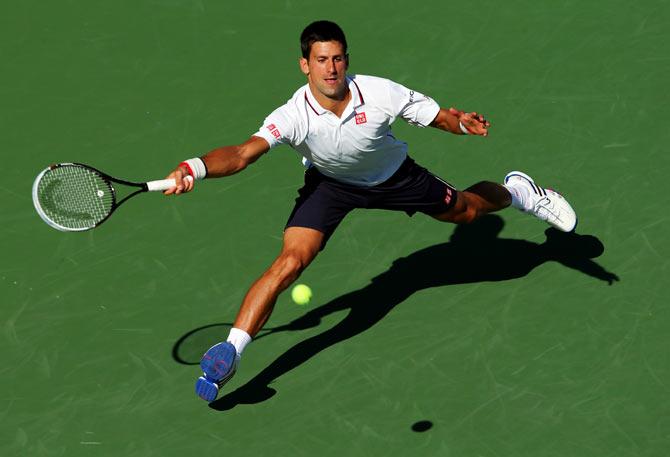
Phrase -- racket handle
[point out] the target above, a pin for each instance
(162, 184)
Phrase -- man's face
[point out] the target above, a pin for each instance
(326, 68)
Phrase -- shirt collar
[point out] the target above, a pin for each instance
(356, 94)
(356, 97)
(312, 103)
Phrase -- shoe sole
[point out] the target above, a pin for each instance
(205, 389)
(215, 363)
(217, 370)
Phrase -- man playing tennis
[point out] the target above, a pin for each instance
(340, 124)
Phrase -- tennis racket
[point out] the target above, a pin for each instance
(73, 197)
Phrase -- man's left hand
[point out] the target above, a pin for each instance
(474, 123)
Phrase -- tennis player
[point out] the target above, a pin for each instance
(341, 125)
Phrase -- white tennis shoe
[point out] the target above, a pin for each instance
(545, 204)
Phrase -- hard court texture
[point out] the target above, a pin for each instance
(495, 339)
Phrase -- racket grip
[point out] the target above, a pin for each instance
(162, 184)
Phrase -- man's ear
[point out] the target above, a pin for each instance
(346, 60)
(304, 66)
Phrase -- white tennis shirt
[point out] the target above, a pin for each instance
(359, 147)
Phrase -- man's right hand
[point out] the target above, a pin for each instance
(183, 179)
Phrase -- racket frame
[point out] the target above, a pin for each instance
(143, 187)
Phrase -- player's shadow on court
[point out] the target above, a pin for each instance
(474, 253)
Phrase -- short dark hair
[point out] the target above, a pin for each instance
(321, 31)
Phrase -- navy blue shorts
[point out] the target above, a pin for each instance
(323, 202)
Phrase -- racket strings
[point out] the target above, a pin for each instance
(75, 197)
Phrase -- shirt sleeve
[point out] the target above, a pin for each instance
(278, 128)
(414, 107)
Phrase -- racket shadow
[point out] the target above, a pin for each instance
(189, 348)
(473, 254)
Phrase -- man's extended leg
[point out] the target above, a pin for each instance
(475, 201)
(301, 245)
(519, 191)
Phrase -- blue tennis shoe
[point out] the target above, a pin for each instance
(218, 365)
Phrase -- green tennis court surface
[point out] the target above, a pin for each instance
(497, 339)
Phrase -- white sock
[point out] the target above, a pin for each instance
(238, 338)
(519, 196)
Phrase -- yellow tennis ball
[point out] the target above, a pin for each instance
(301, 294)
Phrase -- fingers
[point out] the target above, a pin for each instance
(475, 123)
(189, 183)
(171, 190)
(178, 177)
(184, 182)
(480, 119)
(483, 121)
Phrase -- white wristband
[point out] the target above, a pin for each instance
(196, 167)
(463, 129)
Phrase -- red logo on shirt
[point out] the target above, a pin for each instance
(273, 129)
(447, 199)
(360, 118)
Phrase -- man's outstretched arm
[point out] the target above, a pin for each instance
(461, 123)
(223, 161)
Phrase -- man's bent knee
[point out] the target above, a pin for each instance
(301, 245)
(288, 267)
(463, 212)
